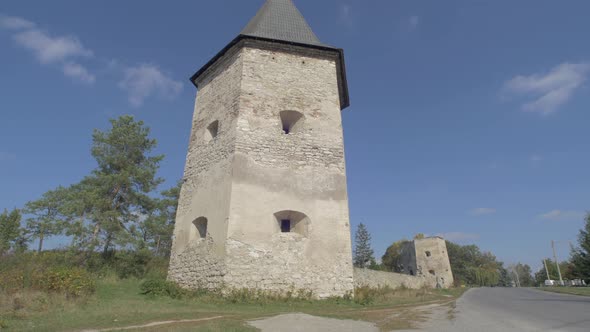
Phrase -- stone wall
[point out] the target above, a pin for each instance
(375, 279)
(198, 266)
(282, 265)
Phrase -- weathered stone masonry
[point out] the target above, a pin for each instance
(257, 172)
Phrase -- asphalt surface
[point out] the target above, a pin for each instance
(479, 310)
(512, 309)
(307, 323)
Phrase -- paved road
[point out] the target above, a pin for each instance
(307, 323)
(513, 309)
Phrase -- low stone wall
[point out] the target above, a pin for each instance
(372, 278)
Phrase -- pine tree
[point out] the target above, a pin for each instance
(363, 253)
(121, 185)
(47, 218)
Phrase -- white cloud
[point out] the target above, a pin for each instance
(79, 72)
(459, 236)
(49, 49)
(549, 90)
(413, 22)
(482, 211)
(558, 215)
(146, 80)
(15, 23)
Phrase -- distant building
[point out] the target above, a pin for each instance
(427, 258)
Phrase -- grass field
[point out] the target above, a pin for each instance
(118, 303)
(583, 291)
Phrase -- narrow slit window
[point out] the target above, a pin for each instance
(212, 131)
(201, 227)
(286, 226)
(292, 122)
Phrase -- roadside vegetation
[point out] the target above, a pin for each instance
(48, 292)
(583, 291)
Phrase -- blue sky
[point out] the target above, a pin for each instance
(468, 118)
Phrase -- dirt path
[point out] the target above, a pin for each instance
(153, 324)
(355, 320)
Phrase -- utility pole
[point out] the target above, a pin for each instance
(546, 270)
(556, 262)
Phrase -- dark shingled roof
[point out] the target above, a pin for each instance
(281, 20)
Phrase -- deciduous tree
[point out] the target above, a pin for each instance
(391, 258)
(11, 233)
(581, 254)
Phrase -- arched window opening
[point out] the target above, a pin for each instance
(212, 131)
(292, 122)
(428, 254)
(200, 228)
(292, 222)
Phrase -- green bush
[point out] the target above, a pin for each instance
(74, 282)
(366, 295)
(161, 287)
(47, 271)
(132, 264)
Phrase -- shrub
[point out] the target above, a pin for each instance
(161, 287)
(73, 282)
(132, 263)
(11, 281)
(365, 295)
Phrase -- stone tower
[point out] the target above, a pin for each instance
(264, 203)
(428, 258)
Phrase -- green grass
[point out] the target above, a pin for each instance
(583, 291)
(118, 303)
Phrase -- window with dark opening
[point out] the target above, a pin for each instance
(201, 227)
(292, 121)
(411, 272)
(286, 226)
(212, 131)
(428, 254)
(432, 272)
(292, 222)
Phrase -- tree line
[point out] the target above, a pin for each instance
(473, 267)
(116, 206)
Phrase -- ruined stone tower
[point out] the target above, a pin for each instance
(264, 203)
(428, 258)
